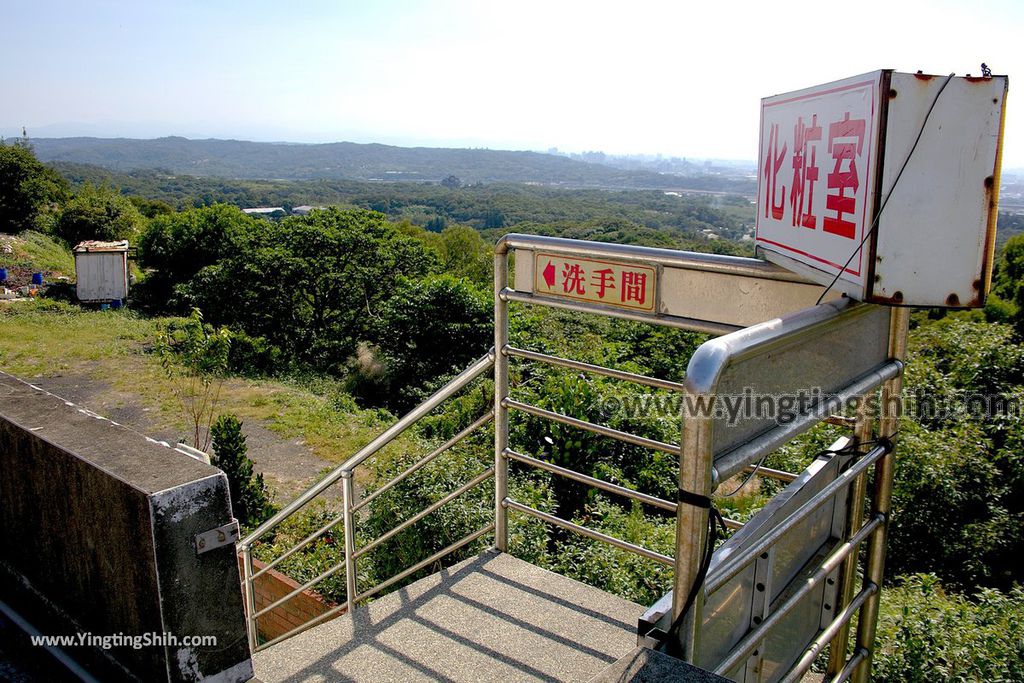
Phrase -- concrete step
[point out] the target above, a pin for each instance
(489, 618)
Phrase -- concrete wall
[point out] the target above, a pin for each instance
(97, 527)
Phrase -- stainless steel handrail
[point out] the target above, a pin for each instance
(398, 478)
(591, 481)
(590, 533)
(735, 564)
(596, 369)
(437, 398)
(483, 476)
(594, 427)
(831, 563)
(464, 541)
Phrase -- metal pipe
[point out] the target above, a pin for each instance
(304, 627)
(500, 394)
(755, 635)
(347, 502)
(842, 619)
(423, 563)
(250, 597)
(437, 398)
(732, 523)
(479, 422)
(591, 481)
(695, 477)
(596, 369)
(874, 566)
(689, 260)
(483, 476)
(692, 324)
(593, 427)
(735, 564)
(769, 473)
(854, 518)
(855, 661)
(302, 544)
(729, 463)
(306, 586)
(589, 533)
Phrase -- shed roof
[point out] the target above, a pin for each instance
(98, 246)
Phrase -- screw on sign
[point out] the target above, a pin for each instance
(605, 282)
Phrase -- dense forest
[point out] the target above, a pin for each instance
(382, 304)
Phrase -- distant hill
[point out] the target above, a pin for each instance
(353, 161)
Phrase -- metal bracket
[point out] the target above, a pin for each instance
(216, 538)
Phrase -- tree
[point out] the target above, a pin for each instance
(311, 285)
(98, 213)
(194, 355)
(452, 182)
(250, 499)
(177, 246)
(427, 330)
(28, 189)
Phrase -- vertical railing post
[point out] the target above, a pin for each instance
(695, 464)
(347, 501)
(500, 394)
(854, 519)
(874, 568)
(249, 590)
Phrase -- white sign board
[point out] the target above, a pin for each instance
(829, 158)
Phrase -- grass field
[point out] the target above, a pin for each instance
(113, 350)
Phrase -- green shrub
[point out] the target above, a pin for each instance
(926, 635)
(250, 498)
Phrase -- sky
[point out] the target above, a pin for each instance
(629, 77)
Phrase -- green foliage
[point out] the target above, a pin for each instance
(98, 213)
(428, 329)
(250, 499)
(926, 634)
(177, 246)
(194, 356)
(28, 189)
(1008, 283)
(310, 285)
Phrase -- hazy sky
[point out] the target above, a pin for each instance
(678, 78)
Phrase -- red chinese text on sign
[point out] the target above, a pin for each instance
(609, 283)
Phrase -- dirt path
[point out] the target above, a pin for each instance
(287, 465)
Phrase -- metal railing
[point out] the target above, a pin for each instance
(351, 504)
(707, 455)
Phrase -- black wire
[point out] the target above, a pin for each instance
(878, 214)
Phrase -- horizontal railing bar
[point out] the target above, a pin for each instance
(591, 481)
(732, 523)
(596, 369)
(805, 662)
(689, 260)
(483, 476)
(769, 473)
(302, 544)
(858, 657)
(731, 462)
(831, 563)
(739, 561)
(303, 627)
(437, 398)
(592, 427)
(306, 586)
(692, 324)
(480, 421)
(424, 563)
(590, 533)
(736, 564)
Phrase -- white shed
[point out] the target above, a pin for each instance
(102, 271)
